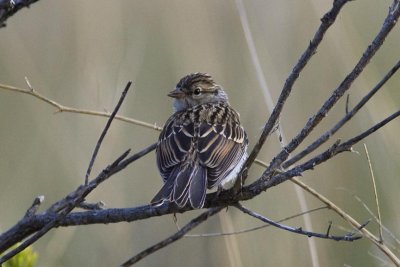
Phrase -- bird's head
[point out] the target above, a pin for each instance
(195, 89)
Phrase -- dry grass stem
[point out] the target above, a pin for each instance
(61, 108)
(375, 193)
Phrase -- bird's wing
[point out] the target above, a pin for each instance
(177, 159)
(174, 143)
(220, 147)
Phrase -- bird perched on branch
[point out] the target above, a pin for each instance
(202, 145)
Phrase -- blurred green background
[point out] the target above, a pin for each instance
(82, 53)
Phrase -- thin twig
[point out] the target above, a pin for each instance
(91, 206)
(247, 192)
(124, 163)
(389, 23)
(349, 115)
(34, 207)
(348, 237)
(63, 208)
(61, 108)
(258, 227)
(347, 145)
(387, 231)
(351, 221)
(178, 235)
(9, 8)
(268, 99)
(375, 193)
(36, 236)
(104, 132)
(261, 184)
(28, 226)
(111, 216)
(327, 20)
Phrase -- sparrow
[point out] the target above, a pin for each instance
(202, 145)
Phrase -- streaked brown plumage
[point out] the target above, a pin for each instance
(202, 144)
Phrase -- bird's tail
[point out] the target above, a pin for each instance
(185, 183)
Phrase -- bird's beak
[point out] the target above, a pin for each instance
(177, 93)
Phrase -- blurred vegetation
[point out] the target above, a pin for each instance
(82, 53)
(26, 258)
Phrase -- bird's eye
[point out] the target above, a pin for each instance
(197, 91)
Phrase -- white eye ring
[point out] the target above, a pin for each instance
(197, 91)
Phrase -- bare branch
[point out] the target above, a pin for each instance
(258, 227)
(347, 103)
(327, 20)
(387, 231)
(104, 132)
(61, 108)
(349, 115)
(30, 225)
(261, 185)
(389, 23)
(178, 235)
(335, 149)
(64, 207)
(226, 198)
(91, 206)
(10, 7)
(347, 145)
(352, 222)
(347, 237)
(34, 207)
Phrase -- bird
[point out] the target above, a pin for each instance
(201, 146)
